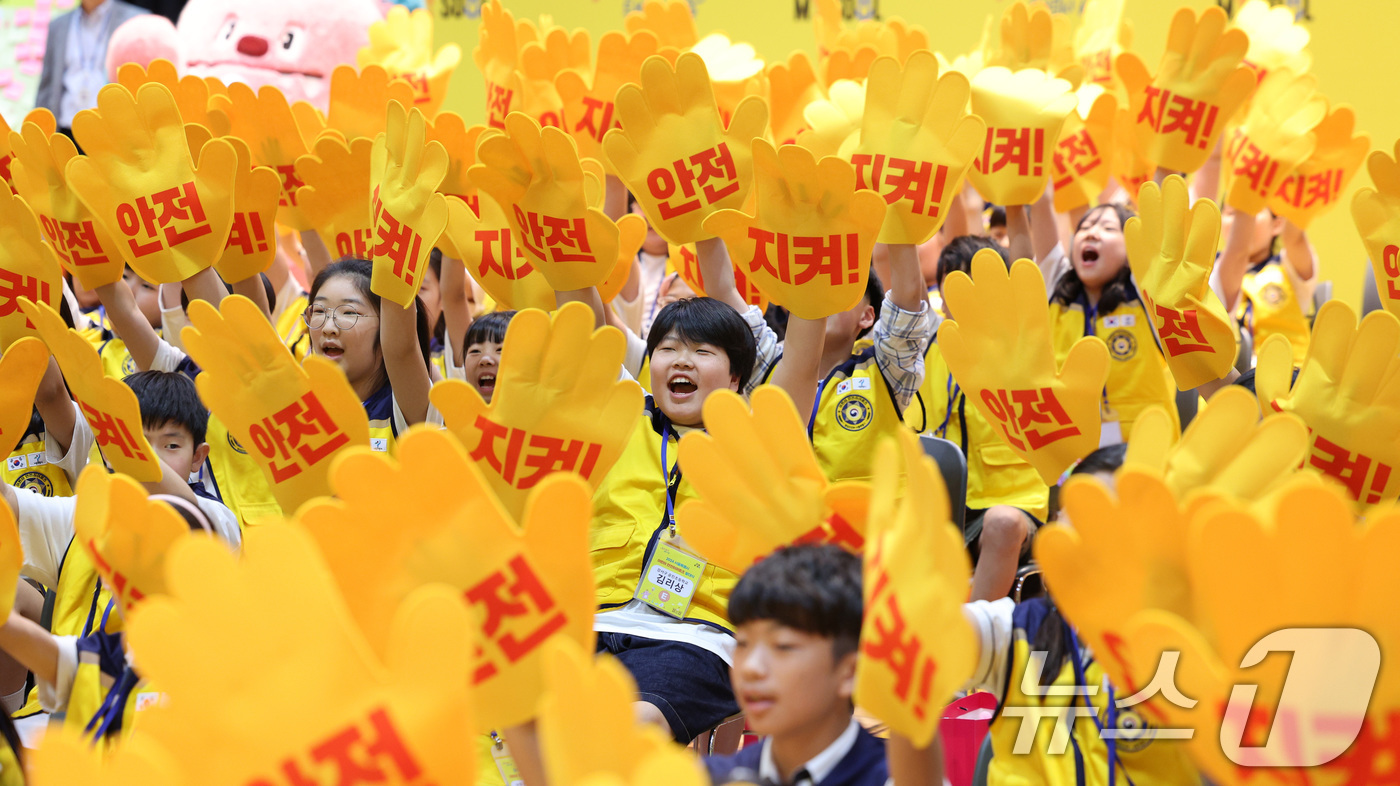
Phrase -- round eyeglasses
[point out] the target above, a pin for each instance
(344, 317)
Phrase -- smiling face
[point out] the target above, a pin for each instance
(481, 364)
(1098, 252)
(789, 681)
(177, 448)
(354, 349)
(293, 46)
(684, 373)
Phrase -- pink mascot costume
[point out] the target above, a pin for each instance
(293, 45)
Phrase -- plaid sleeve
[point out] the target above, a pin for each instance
(768, 351)
(901, 338)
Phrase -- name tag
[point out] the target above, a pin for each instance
(505, 765)
(38, 459)
(148, 699)
(380, 444)
(669, 580)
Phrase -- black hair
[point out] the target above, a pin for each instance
(874, 297)
(185, 298)
(439, 328)
(1116, 292)
(777, 318)
(996, 217)
(1246, 381)
(814, 588)
(360, 272)
(488, 327)
(704, 320)
(958, 254)
(270, 292)
(168, 398)
(1105, 459)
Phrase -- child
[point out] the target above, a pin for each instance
(481, 354)
(641, 298)
(1006, 499)
(1268, 288)
(796, 618)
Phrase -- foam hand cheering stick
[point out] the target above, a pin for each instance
(42, 118)
(558, 405)
(1274, 139)
(402, 44)
(426, 516)
(359, 100)
(107, 404)
(916, 646)
(1172, 252)
(589, 108)
(672, 22)
(1276, 40)
(1024, 112)
(252, 238)
(407, 212)
(833, 123)
(22, 365)
(675, 153)
(191, 93)
(1376, 212)
(399, 717)
(809, 240)
(336, 194)
(1318, 184)
(486, 244)
(496, 56)
(294, 417)
(916, 143)
(759, 487)
(1348, 394)
(541, 63)
(265, 122)
(28, 268)
(1049, 416)
(1179, 112)
(792, 85)
(170, 219)
(1083, 156)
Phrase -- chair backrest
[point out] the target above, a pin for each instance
(953, 466)
(1244, 359)
(1370, 293)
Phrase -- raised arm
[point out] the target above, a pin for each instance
(133, 327)
(56, 408)
(1234, 260)
(1298, 251)
(403, 359)
(35, 648)
(1045, 229)
(1018, 231)
(456, 305)
(253, 289)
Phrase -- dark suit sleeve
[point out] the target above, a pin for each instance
(50, 90)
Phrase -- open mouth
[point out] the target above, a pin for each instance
(486, 382)
(681, 386)
(332, 351)
(1089, 255)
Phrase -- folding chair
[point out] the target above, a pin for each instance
(722, 740)
(952, 465)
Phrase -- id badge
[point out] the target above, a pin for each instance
(505, 764)
(1110, 429)
(669, 581)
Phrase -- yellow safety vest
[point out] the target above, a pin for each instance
(629, 515)
(238, 480)
(1147, 761)
(290, 326)
(995, 474)
(1138, 375)
(855, 408)
(11, 773)
(92, 683)
(380, 409)
(1269, 305)
(27, 467)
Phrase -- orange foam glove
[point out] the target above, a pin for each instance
(22, 365)
(252, 240)
(28, 268)
(403, 45)
(337, 194)
(360, 100)
(191, 93)
(1376, 212)
(1272, 141)
(589, 107)
(1317, 184)
(792, 85)
(1024, 113)
(1084, 153)
(265, 122)
(494, 258)
(496, 56)
(541, 63)
(42, 118)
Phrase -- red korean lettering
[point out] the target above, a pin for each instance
(247, 233)
(292, 429)
(1390, 261)
(690, 268)
(1022, 147)
(761, 261)
(500, 256)
(558, 455)
(485, 449)
(290, 184)
(899, 179)
(1194, 119)
(531, 232)
(79, 237)
(377, 754)
(355, 243)
(1152, 107)
(902, 652)
(597, 118)
(121, 585)
(398, 242)
(565, 234)
(838, 531)
(716, 163)
(14, 286)
(829, 256)
(181, 203)
(111, 432)
(521, 595)
(498, 100)
(1254, 165)
(272, 443)
(1042, 407)
(1351, 470)
(5, 161)
(139, 218)
(1180, 331)
(999, 404)
(663, 183)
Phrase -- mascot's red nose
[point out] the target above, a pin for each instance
(253, 46)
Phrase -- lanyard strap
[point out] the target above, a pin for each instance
(1110, 742)
(672, 478)
(953, 391)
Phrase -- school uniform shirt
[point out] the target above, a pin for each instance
(856, 758)
(1005, 630)
(1273, 299)
(1138, 374)
(995, 474)
(639, 312)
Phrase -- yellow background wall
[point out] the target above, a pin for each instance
(1352, 43)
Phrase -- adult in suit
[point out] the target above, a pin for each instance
(75, 61)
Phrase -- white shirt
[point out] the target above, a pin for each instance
(817, 767)
(640, 312)
(85, 61)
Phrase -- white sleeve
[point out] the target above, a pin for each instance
(431, 417)
(172, 320)
(1053, 266)
(45, 531)
(769, 352)
(991, 621)
(1219, 288)
(54, 698)
(635, 354)
(79, 448)
(225, 523)
(451, 364)
(168, 357)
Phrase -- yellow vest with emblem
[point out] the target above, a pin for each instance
(1269, 305)
(11, 774)
(1138, 375)
(27, 467)
(90, 688)
(855, 408)
(240, 483)
(629, 516)
(116, 360)
(1147, 761)
(995, 474)
(379, 407)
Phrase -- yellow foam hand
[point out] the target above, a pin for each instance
(735, 71)
(674, 152)
(1300, 717)
(1226, 449)
(810, 237)
(67, 755)
(833, 123)
(1098, 39)
(169, 217)
(1317, 185)
(109, 406)
(589, 107)
(1130, 165)
(1348, 394)
(1276, 40)
(449, 130)
(758, 484)
(265, 122)
(11, 559)
(337, 194)
(1027, 37)
(1049, 416)
(792, 85)
(22, 366)
(916, 646)
(587, 724)
(558, 405)
(402, 43)
(359, 100)
(1376, 212)
(1122, 552)
(541, 63)
(350, 714)
(1024, 112)
(1274, 139)
(496, 56)
(1172, 251)
(916, 143)
(683, 261)
(1084, 151)
(495, 260)
(408, 213)
(311, 122)
(524, 585)
(848, 64)
(42, 118)
(28, 268)
(536, 176)
(252, 239)
(631, 233)
(191, 93)
(295, 418)
(672, 23)
(126, 534)
(1179, 112)
(909, 38)
(669, 765)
